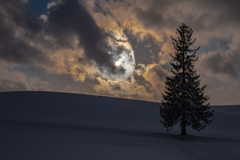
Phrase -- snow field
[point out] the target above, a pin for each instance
(63, 126)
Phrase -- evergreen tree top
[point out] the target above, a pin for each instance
(184, 40)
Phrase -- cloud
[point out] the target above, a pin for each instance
(207, 18)
(123, 89)
(84, 39)
(44, 82)
(225, 63)
(70, 18)
(147, 84)
(44, 17)
(52, 4)
(17, 27)
(24, 1)
(68, 27)
(157, 71)
(223, 95)
(156, 75)
(166, 49)
(17, 81)
(34, 80)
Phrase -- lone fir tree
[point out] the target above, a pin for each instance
(183, 101)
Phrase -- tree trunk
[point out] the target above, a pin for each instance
(183, 124)
(184, 82)
(183, 129)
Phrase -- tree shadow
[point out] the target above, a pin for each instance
(129, 132)
(195, 138)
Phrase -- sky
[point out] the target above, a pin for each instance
(73, 45)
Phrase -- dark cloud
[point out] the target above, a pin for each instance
(10, 85)
(18, 81)
(216, 44)
(116, 87)
(153, 17)
(224, 63)
(150, 18)
(229, 8)
(216, 20)
(159, 71)
(138, 76)
(146, 51)
(142, 82)
(19, 13)
(23, 36)
(201, 15)
(7, 85)
(71, 18)
(17, 25)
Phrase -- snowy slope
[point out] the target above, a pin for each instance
(54, 126)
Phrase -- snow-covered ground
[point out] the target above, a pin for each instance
(63, 126)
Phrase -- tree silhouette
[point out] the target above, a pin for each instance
(183, 100)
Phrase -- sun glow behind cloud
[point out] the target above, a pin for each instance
(122, 60)
(118, 63)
